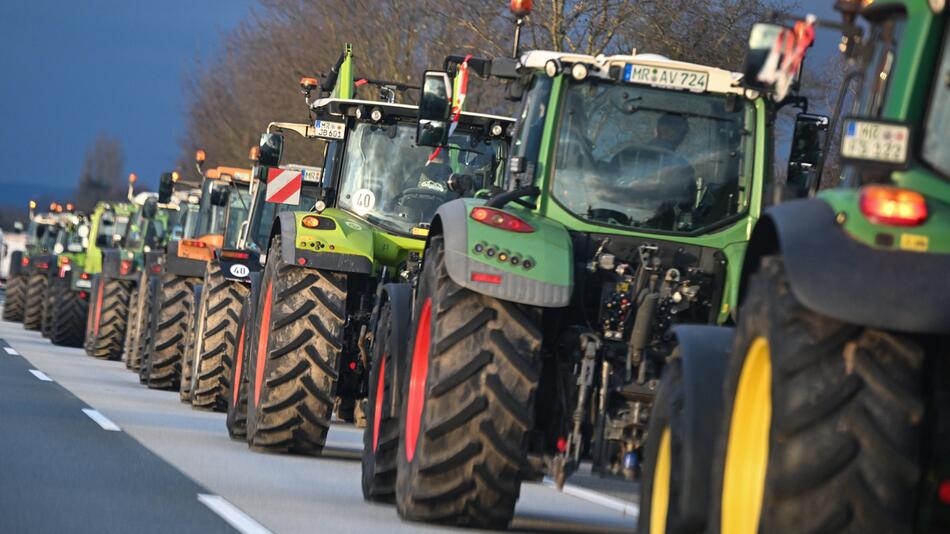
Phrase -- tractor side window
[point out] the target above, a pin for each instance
(882, 45)
(936, 149)
(526, 140)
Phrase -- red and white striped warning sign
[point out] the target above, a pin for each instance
(283, 186)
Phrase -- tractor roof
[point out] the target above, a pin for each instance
(720, 80)
(349, 107)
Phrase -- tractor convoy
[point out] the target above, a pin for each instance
(640, 277)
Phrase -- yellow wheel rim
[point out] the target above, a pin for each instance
(660, 499)
(747, 452)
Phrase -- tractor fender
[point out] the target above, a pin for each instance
(183, 266)
(288, 223)
(16, 263)
(400, 298)
(704, 352)
(548, 283)
(842, 278)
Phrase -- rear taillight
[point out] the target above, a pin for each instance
(943, 492)
(501, 219)
(235, 255)
(193, 243)
(63, 260)
(25, 261)
(156, 269)
(125, 267)
(893, 205)
(84, 276)
(486, 278)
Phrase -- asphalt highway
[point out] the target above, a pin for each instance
(85, 448)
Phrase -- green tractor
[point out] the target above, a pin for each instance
(36, 266)
(227, 281)
(308, 353)
(64, 316)
(833, 415)
(223, 208)
(540, 320)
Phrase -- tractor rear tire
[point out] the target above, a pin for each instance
(140, 344)
(69, 318)
(237, 398)
(106, 339)
(49, 302)
(132, 328)
(167, 336)
(821, 422)
(216, 347)
(188, 354)
(13, 300)
(292, 376)
(33, 304)
(381, 435)
(467, 415)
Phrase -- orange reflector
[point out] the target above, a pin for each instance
(63, 260)
(309, 83)
(310, 221)
(486, 278)
(193, 243)
(200, 156)
(84, 276)
(893, 205)
(520, 8)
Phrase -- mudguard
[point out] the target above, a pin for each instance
(547, 283)
(400, 298)
(704, 353)
(183, 266)
(237, 264)
(338, 247)
(837, 276)
(16, 263)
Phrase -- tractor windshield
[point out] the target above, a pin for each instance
(44, 235)
(386, 180)
(935, 150)
(240, 204)
(265, 212)
(144, 232)
(650, 159)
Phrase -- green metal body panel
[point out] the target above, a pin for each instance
(355, 236)
(93, 263)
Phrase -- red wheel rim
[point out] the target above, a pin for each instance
(238, 363)
(95, 332)
(417, 380)
(262, 344)
(378, 405)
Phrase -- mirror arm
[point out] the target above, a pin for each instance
(304, 130)
(833, 127)
(499, 201)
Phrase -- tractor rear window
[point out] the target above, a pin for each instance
(650, 159)
(936, 149)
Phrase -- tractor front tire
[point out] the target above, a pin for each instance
(468, 403)
(109, 320)
(69, 318)
(292, 376)
(381, 435)
(35, 299)
(13, 300)
(821, 423)
(216, 347)
(169, 331)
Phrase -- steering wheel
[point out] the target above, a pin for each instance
(609, 216)
(420, 199)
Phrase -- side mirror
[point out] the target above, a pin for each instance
(220, 195)
(271, 149)
(808, 143)
(460, 183)
(435, 110)
(83, 231)
(166, 186)
(762, 40)
(150, 208)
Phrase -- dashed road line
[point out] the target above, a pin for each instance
(40, 375)
(101, 420)
(232, 514)
(626, 508)
(10, 351)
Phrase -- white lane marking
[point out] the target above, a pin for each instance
(41, 375)
(10, 351)
(625, 508)
(232, 514)
(101, 420)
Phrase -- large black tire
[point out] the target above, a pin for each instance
(14, 297)
(149, 317)
(132, 328)
(69, 317)
(188, 354)
(237, 399)
(292, 376)
(137, 346)
(106, 339)
(216, 346)
(381, 435)
(33, 304)
(836, 447)
(466, 417)
(49, 303)
(167, 343)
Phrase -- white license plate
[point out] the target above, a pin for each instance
(312, 175)
(329, 130)
(666, 78)
(875, 141)
(85, 284)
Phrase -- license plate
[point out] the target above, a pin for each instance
(85, 284)
(666, 78)
(875, 141)
(312, 175)
(329, 130)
